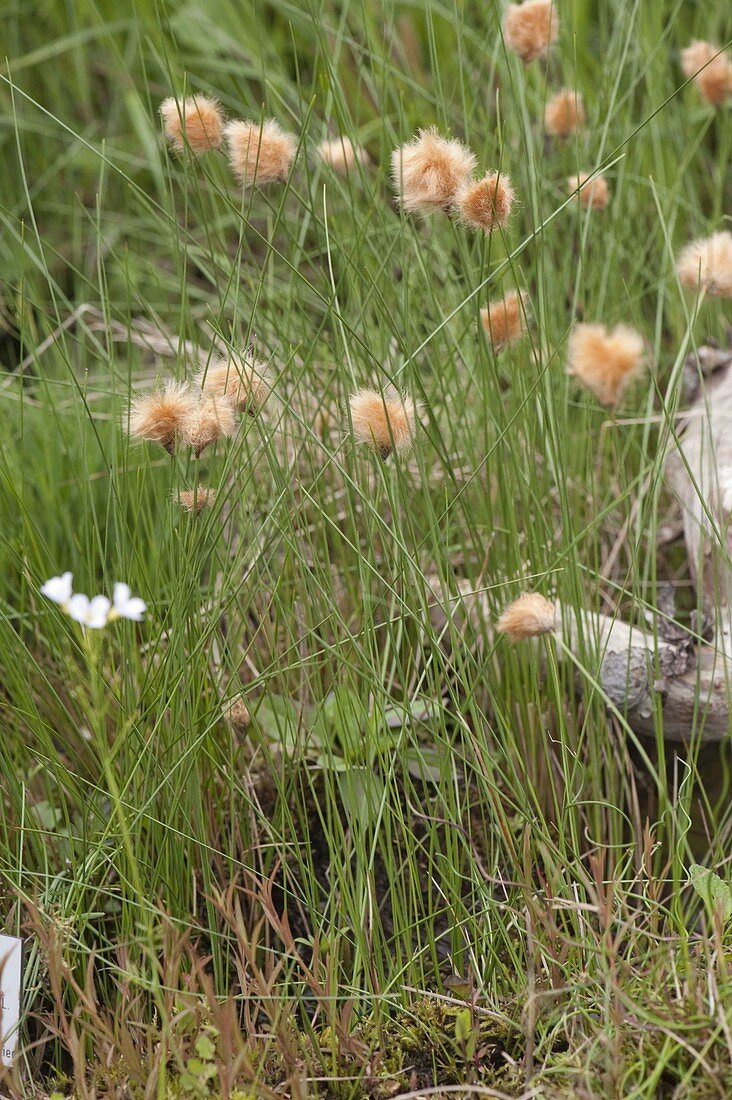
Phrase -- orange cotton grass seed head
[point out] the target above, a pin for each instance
(259, 152)
(504, 321)
(605, 360)
(529, 29)
(342, 155)
(211, 420)
(159, 417)
(706, 264)
(197, 122)
(386, 420)
(428, 171)
(240, 379)
(486, 204)
(527, 617)
(195, 500)
(565, 113)
(711, 70)
(589, 192)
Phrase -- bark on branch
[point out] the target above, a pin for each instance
(687, 680)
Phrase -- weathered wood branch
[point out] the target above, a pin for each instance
(688, 680)
(640, 674)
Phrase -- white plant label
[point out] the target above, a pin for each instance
(11, 950)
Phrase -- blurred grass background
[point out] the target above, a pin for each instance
(420, 799)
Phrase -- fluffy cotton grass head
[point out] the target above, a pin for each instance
(211, 420)
(711, 70)
(237, 713)
(386, 421)
(159, 417)
(486, 204)
(197, 122)
(342, 155)
(706, 264)
(240, 379)
(565, 113)
(605, 360)
(195, 500)
(260, 152)
(504, 320)
(695, 56)
(531, 28)
(527, 617)
(428, 172)
(590, 192)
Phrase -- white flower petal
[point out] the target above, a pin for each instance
(98, 612)
(134, 609)
(58, 589)
(78, 607)
(121, 594)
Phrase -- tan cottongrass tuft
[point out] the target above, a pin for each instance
(210, 421)
(711, 70)
(195, 500)
(529, 29)
(605, 361)
(527, 617)
(564, 113)
(260, 152)
(342, 155)
(504, 321)
(159, 417)
(238, 715)
(197, 122)
(384, 420)
(590, 192)
(707, 264)
(486, 204)
(428, 171)
(240, 379)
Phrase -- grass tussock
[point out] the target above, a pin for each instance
(310, 825)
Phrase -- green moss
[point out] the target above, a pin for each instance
(422, 1047)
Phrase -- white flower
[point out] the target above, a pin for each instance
(99, 611)
(92, 613)
(58, 589)
(126, 606)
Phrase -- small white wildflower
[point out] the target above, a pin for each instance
(92, 613)
(125, 605)
(58, 589)
(99, 611)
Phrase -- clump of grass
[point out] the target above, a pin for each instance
(422, 857)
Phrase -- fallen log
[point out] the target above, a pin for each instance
(683, 681)
(644, 676)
